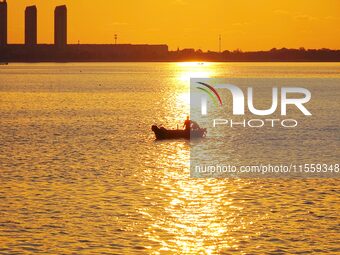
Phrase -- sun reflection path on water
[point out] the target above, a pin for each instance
(195, 70)
(190, 216)
(187, 70)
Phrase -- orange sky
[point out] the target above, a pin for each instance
(243, 24)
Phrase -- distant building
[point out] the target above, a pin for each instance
(31, 25)
(60, 26)
(3, 23)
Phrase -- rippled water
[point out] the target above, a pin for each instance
(82, 174)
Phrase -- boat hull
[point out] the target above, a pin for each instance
(162, 133)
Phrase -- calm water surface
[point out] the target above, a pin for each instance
(80, 172)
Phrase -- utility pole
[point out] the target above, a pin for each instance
(116, 37)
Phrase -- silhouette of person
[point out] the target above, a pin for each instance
(187, 124)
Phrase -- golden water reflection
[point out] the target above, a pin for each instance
(189, 70)
(82, 174)
(183, 72)
(196, 216)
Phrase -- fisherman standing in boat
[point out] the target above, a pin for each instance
(187, 124)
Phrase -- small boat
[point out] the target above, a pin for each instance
(163, 133)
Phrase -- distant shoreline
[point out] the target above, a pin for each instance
(154, 53)
(182, 61)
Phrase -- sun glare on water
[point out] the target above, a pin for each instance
(188, 70)
(195, 70)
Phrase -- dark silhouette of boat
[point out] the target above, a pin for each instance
(163, 133)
